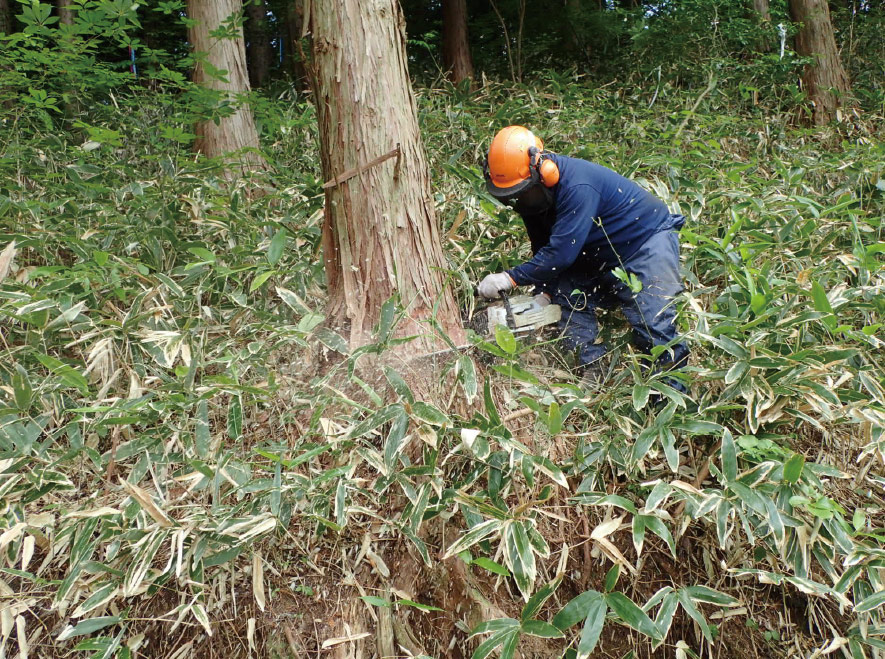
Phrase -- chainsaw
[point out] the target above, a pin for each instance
(519, 313)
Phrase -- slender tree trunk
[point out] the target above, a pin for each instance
(824, 79)
(762, 13)
(235, 131)
(456, 45)
(5, 18)
(65, 12)
(380, 235)
(292, 60)
(259, 47)
(762, 9)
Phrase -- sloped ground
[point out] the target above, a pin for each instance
(193, 466)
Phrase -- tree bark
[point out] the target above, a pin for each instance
(259, 48)
(762, 12)
(5, 17)
(824, 79)
(292, 61)
(65, 12)
(380, 235)
(456, 45)
(237, 130)
(761, 7)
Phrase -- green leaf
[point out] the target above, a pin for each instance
(418, 605)
(429, 414)
(491, 566)
(398, 384)
(611, 578)
(277, 246)
(577, 609)
(385, 324)
(505, 339)
(89, 626)
(729, 456)
(519, 556)
(871, 603)
(202, 436)
(554, 419)
(259, 280)
(203, 254)
(689, 607)
(476, 534)
(467, 374)
(710, 596)
(21, 389)
(235, 418)
(537, 600)
(640, 396)
(793, 468)
(396, 438)
(375, 601)
(632, 615)
(541, 629)
(822, 303)
(593, 624)
(71, 376)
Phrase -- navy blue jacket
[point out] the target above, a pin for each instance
(598, 219)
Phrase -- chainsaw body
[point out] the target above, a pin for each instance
(524, 314)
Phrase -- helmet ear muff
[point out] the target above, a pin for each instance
(543, 164)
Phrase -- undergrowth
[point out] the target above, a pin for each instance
(184, 447)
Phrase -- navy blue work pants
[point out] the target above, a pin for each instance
(650, 311)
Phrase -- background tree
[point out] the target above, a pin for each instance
(456, 43)
(5, 17)
(65, 12)
(380, 236)
(825, 80)
(216, 36)
(258, 45)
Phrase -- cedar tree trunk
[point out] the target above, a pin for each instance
(65, 12)
(762, 12)
(292, 61)
(825, 78)
(234, 131)
(380, 234)
(761, 7)
(456, 45)
(259, 47)
(5, 18)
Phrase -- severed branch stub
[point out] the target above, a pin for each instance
(350, 173)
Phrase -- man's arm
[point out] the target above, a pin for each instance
(576, 209)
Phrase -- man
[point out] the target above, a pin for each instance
(590, 228)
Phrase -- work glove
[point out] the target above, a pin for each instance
(491, 285)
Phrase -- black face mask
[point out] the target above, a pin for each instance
(533, 201)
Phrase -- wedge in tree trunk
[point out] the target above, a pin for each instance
(824, 79)
(380, 234)
(259, 47)
(221, 65)
(456, 45)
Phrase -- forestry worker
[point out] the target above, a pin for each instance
(584, 221)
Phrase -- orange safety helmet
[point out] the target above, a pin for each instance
(516, 162)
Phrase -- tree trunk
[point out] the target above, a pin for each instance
(456, 45)
(259, 47)
(235, 131)
(292, 61)
(762, 13)
(762, 9)
(5, 18)
(824, 79)
(65, 12)
(380, 235)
